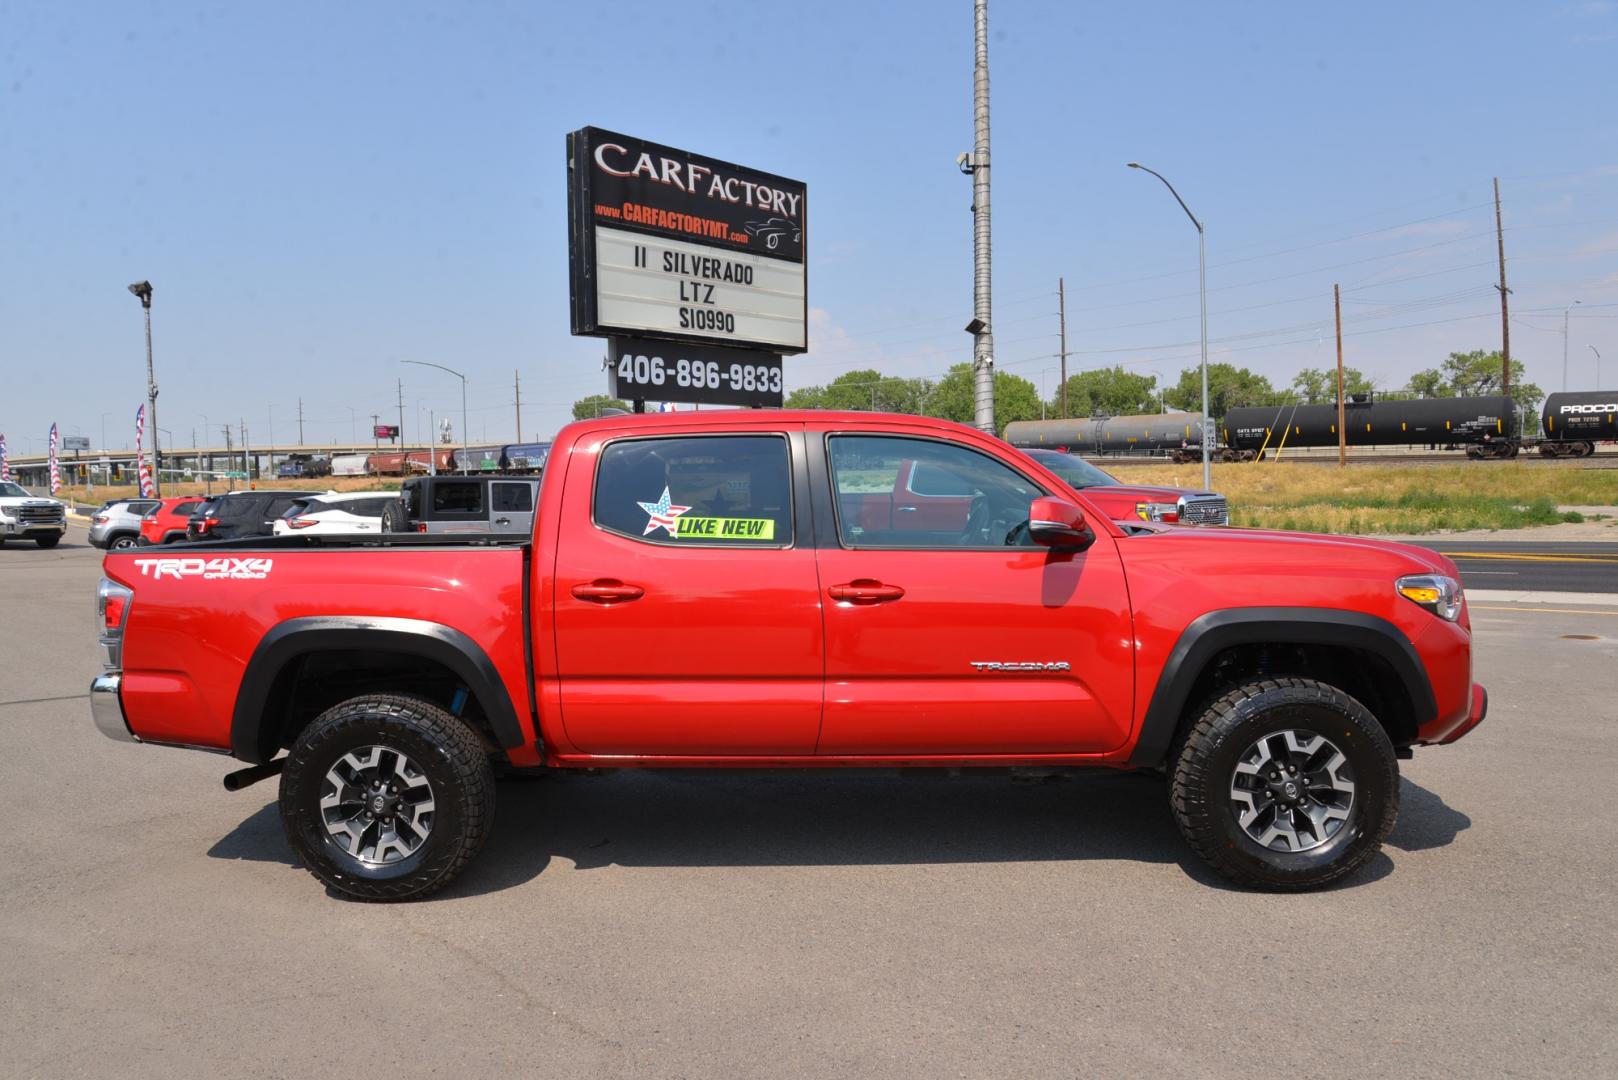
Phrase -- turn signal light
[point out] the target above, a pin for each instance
(301, 523)
(1437, 593)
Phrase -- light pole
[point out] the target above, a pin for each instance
(143, 292)
(1565, 312)
(1597, 351)
(1202, 290)
(465, 432)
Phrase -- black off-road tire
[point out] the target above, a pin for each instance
(47, 541)
(393, 517)
(446, 751)
(1205, 767)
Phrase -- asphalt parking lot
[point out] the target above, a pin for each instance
(669, 924)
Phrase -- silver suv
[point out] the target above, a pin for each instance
(29, 517)
(116, 526)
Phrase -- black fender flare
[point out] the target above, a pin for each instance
(1212, 633)
(294, 638)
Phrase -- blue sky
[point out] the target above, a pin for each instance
(319, 191)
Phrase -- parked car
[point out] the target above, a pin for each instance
(1126, 502)
(165, 523)
(116, 525)
(695, 594)
(357, 512)
(240, 513)
(30, 517)
(502, 505)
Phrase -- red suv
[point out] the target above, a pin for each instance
(166, 523)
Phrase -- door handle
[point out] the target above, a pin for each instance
(502, 521)
(865, 591)
(907, 509)
(608, 591)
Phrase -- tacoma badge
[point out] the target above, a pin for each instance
(1020, 665)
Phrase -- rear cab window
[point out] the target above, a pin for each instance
(697, 490)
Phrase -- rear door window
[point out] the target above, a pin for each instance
(711, 490)
(185, 507)
(513, 498)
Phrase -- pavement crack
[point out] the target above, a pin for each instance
(44, 700)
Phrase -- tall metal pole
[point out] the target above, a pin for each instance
(516, 378)
(1202, 292)
(1061, 311)
(401, 415)
(1505, 308)
(983, 335)
(465, 432)
(1597, 351)
(143, 291)
(1565, 313)
(1342, 432)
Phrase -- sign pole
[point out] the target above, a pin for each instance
(983, 335)
(1342, 431)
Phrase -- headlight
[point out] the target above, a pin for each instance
(1438, 594)
(1150, 511)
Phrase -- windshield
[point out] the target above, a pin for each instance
(9, 490)
(1078, 473)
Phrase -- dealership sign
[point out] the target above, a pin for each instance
(672, 246)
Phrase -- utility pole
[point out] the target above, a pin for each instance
(1505, 309)
(401, 415)
(517, 380)
(982, 332)
(1061, 311)
(1342, 432)
(1565, 313)
(300, 420)
(247, 468)
(375, 438)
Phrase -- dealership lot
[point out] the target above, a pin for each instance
(838, 924)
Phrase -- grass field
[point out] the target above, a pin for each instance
(1393, 499)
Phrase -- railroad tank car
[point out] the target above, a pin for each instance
(1572, 423)
(1473, 422)
(1151, 433)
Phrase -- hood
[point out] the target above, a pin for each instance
(1312, 546)
(1143, 492)
(29, 500)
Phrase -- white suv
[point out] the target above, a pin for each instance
(29, 517)
(322, 515)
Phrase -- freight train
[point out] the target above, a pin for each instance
(509, 458)
(1484, 427)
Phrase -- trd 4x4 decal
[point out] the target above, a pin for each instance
(206, 569)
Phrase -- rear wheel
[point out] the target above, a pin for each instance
(387, 797)
(1286, 784)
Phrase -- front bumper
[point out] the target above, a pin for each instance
(1474, 716)
(107, 708)
(30, 529)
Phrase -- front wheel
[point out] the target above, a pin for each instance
(47, 541)
(1286, 784)
(387, 797)
(123, 543)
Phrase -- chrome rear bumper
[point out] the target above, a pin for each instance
(107, 709)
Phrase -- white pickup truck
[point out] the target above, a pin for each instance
(29, 517)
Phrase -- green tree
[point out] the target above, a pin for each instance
(1472, 374)
(1015, 398)
(1113, 391)
(1314, 386)
(587, 407)
(1228, 387)
(865, 390)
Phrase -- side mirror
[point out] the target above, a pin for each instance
(1058, 524)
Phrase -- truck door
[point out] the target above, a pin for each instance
(964, 637)
(687, 613)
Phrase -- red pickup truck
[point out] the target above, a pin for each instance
(718, 589)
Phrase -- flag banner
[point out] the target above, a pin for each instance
(5, 460)
(56, 473)
(147, 489)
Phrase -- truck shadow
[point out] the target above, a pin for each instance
(676, 818)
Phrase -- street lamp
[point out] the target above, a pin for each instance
(1202, 290)
(465, 431)
(143, 293)
(1597, 351)
(1565, 312)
